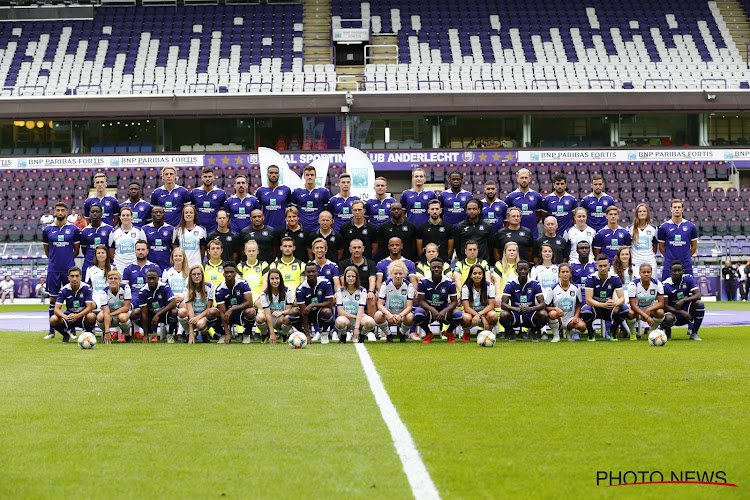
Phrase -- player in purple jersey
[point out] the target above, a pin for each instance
(416, 200)
(96, 233)
(274, 199)
(494, 209)
(596, 203)
(340, 205)
(310, 200)
(605, 300)
(379, 207)
(159, 237)
(62, 242)
(152, 308)
(610, 238)
(73, 307)
(240, 205)
(678, 240)
(683, 305)
(523, 304)
(109, 204)
(454, 199)
(141, 209)
(437, 298)
(528, 201)
(315, 301)
(560, 204)
(170, 196)
(208, 199)
(234, 300)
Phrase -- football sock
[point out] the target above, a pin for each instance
(555, 327)
(125, 328)
(404, 330)
(185, 323)
(700, 312)
(51, 313)
(384, 328)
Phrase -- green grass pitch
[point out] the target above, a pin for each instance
(259, 421)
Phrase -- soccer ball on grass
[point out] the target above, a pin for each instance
(657, 338)
(486, 338)
(297, 340)
(87, 340)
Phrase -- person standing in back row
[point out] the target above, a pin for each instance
(379, 207)
(454, 199)
(678, 240)
(415, 201)
(208, 200)
(170, 196)
(596, 203)
(340, 205)
(528, 201)
(109, 205)
(274, 199)
(240, 205)
(310, 200)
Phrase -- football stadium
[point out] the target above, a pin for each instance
(374, 249)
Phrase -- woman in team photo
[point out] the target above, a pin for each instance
(478, 298)
(351, 299)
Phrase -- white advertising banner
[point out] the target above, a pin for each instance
(287, 177)
(351, 35)
(359, 166)
(624, 155)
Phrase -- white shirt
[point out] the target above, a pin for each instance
(95, 277)
(191, 242)
(574, 236)
(7, 285)
(396, 298)
(567, 300)
(114, 300)
(177, 282)
(645, 297)
(642, 251)
(72, 218)
(477, 305)
(277, 303)
(201, 303)
(47, 219)
(351, 302)
(546, 276)
(124, 244)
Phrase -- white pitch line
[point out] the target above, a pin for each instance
(416, 473)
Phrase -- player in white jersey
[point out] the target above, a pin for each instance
(351, 300)
(96, 275)
(564, 306)
(395, 301)
(545, 273)
(198, 313)
(122, 240)
(579, 232)
(644, 238)
(646, 301)
(478, 299)
(276, 303)
(115, 305)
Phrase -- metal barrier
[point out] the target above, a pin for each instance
(194, 86)
(381, 56)
(87, 86)
(332, 57)
(656, 80)
(536, 81)
(429, 84)
(601, 80)
(142, 86)
(493, 86)
(260, 86)
(713, 80)
(305, 84)
(21, 89)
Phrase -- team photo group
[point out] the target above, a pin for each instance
(204, 266)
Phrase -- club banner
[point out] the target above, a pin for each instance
(287, 177)
(359, 166)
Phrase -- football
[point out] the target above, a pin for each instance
(297, 340)
(657, 338)
(87, 340)
(486, 338)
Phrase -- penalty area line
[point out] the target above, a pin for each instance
(416, 473)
